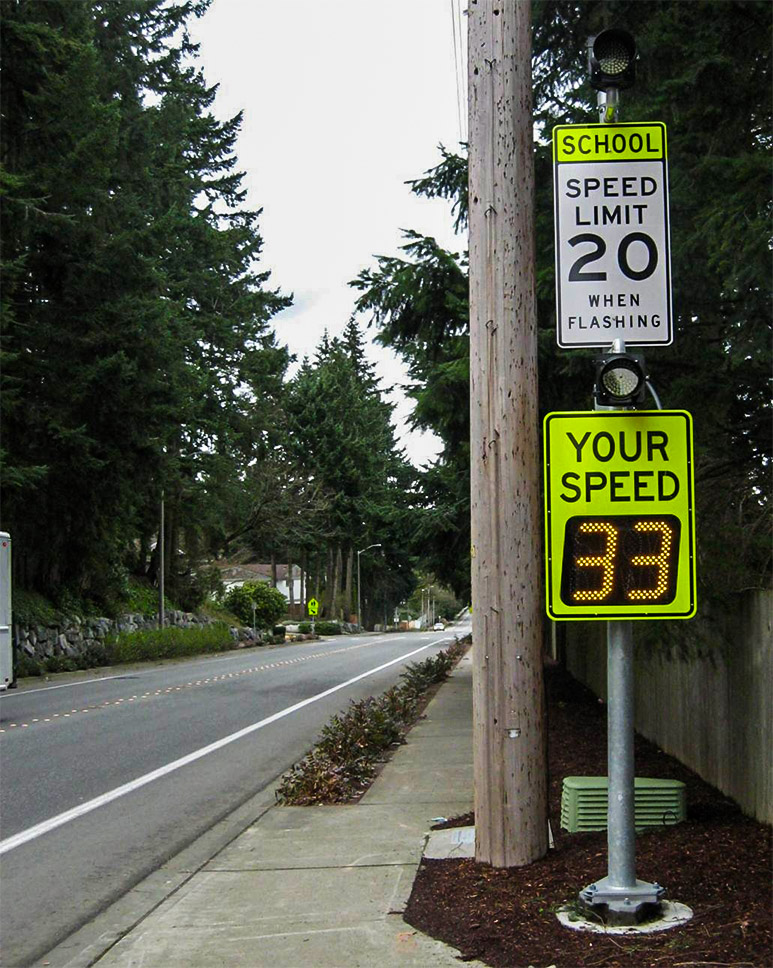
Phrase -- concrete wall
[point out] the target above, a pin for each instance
(712, 711)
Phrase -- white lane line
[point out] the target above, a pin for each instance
(32, 833)
(63, 685)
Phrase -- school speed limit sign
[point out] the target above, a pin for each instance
(613, 273)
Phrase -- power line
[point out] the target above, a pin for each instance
(459, 67)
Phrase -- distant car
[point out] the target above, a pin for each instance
(438, 627)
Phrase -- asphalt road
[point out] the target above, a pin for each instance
(105, 779)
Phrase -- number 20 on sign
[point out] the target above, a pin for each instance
(620, 535)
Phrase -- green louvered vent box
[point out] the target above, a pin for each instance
(658, 803)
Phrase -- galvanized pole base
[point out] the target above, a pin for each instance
(622, 905)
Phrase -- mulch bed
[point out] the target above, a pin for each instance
(718, 862)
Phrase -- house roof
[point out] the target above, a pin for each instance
(253, 571)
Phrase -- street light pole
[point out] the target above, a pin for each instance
(359, 599)
(161, 615)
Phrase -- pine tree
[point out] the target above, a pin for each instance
(139, 358)
(340, 432)
(705, 70)
(420, 305)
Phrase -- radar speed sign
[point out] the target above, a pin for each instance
(620, 532)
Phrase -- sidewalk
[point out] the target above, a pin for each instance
(323, 887)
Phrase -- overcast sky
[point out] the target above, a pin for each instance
(343, 100)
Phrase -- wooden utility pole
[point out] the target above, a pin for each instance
(509, 736)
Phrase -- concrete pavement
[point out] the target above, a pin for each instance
(322, 886)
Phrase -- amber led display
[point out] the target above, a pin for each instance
(620, 559)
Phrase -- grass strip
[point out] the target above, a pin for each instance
(168, 643)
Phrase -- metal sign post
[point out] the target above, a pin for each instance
(6, 619)
(620, 896)
(313, 607)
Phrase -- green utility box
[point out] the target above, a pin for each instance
(658, 803)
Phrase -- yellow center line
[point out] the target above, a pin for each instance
(197, 682)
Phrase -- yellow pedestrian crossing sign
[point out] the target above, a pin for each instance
(313, 606)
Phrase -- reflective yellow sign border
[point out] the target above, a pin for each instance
(613, 445)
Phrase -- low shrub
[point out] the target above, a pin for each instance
(421, 675)
(269, 603)
(319, 779)
(25, 666)
(31, 608)
(327, 628)
(343, 763)
(168, 643)
(93, 654)
(401, 703)
(61, 663)
(368, 727)
(279, 630)
(304, 627)
(142, 597)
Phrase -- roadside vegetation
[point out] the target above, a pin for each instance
(321, 628)
(345, 760)
(168, 643)
(145, 645)
(138, 597)
(256, 603)
(148, 644)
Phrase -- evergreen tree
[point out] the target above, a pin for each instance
(420, 305)
(135, 325)
(704, 70)
(340, 432)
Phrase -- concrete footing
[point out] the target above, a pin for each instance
(672, 915)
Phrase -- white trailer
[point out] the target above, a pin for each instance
(6, 628)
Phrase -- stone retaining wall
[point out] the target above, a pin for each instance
(74, 636)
